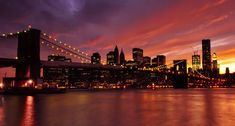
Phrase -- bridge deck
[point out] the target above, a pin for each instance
(78, 65)
(6, 62)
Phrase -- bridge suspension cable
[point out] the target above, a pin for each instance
(48, 37)
(65, 51)
(13, 34)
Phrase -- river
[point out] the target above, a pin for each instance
(164, 107)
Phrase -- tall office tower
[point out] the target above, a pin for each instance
(196, 61)
(96, 58)
(137, 54)
(122, 58)
(110, 58)
(215, 66)
(206, 56)
(147, 61)
(116, 56)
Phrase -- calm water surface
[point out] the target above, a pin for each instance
(167, 107)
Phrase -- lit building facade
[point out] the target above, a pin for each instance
(111, 58)
(56, 75)
(58, 58)
(196, 62)
(215, 65)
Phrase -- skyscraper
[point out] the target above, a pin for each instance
(196, 62)
(116, 56)
(206, 56)
(95, 58)
(137, 54)
(215, 66)
(110, 58)
(122, 58)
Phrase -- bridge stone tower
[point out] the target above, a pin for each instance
(180, 77)
(28, 53)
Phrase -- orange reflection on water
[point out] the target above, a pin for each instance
(1, 109)
(28, 116)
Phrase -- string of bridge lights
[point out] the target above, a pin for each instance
(65, 44)
(71, 54)
(14, 34)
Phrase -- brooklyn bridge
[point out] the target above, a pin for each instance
(30, 70)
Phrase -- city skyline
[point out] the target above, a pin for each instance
(156, 29)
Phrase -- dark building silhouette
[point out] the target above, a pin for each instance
(96, 58)
(122, 58)
(227, 71)
(180, 66)
(206, 56)
(228, 77)
(131, 64)
(147, 61)
(116, 56)
(111, 58)
(160, 60)
(137, 55)
(154, 62)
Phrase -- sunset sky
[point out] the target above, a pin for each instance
(174, 28)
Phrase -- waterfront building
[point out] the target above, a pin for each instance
(56, 75)
(96, 58)
(54, 57)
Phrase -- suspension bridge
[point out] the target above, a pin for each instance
(28, 64)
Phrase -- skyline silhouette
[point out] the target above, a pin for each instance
(171, 28)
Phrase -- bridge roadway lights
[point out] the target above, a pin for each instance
(180, 81)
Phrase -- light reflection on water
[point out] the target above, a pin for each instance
(193, 107)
